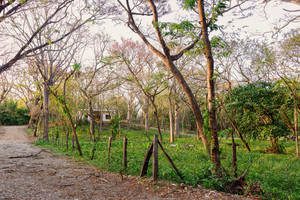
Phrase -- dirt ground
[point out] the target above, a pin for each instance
(28, 172)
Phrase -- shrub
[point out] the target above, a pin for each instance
(10, 114)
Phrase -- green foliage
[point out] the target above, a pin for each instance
(60, 103)
(76, 66)
(10, 114)
(114, 127)
(177, 30)
(216, 12)
(256, 107)
(189, 4)
(274, 173)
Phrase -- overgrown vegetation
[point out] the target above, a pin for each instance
(215, 80)
(258, 109)
(10, 114)
(270, 175)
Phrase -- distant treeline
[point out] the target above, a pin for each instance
(10, 114)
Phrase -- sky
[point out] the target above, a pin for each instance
(262, 20)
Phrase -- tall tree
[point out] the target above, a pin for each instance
(143, 71)
(8, 8)
(96, 78)
(5, 86)
(257, 108)
(57, 13)
(156, 9)
(215, 151)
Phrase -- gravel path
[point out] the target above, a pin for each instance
(28, 172)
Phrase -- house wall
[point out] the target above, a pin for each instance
(106, 117)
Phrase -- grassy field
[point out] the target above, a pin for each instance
(277, 174)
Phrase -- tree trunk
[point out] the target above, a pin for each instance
(176, 125)
(75, 135)
(31, 122)
(146, 113)
(182, 122)
(35, 130)
(171, 115)
(128, 114)
(274, 144)
(191, 99)
(92, 121)
(234, 158)
(198, 135)
(100, 118)
(73, 146)
(119, 130)
(156, 117)
(296, 124)
(46, 112)
(67, 137)
(215, 151)
(235, 128)
(157, 122)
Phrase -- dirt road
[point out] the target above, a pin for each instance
(28, 172)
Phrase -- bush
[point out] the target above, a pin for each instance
(10, 114)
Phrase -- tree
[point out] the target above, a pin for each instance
(28, 87)
(10, 114)
(53, 65)
(96, 79)
(143, 71)
(5, 86)
(156, 9)
(288, 68)
(56, 14)
(62, 100)
(8, 8)
(210, 78)
(257, 108)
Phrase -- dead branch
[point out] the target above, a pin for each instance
(244, 174)
(28, 156)
(98, 176)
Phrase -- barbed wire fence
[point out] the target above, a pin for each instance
(121, 155)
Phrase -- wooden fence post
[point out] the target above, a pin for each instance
(109, 145)
(125, 153)
(155, 158)
(146, 161)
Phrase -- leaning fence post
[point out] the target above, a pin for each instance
(109, 145)
(155, 158)
(125, 153)
(146, 161)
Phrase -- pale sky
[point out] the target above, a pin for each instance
(263, 20)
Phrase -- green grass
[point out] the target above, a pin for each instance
(277, 174)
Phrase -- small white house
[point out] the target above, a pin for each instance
(104, 114)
